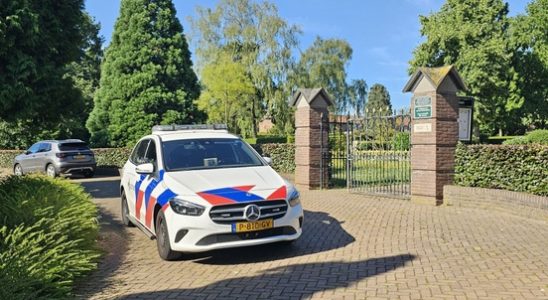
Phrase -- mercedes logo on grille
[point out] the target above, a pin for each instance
(252, 212)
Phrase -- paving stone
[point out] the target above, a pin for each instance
(353, 247)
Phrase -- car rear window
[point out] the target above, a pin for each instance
(73, 146)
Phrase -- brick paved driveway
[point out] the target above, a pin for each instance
(353, 247)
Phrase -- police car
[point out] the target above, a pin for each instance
(197, 188)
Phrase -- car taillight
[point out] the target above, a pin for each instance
(61, 155)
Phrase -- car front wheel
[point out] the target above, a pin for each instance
(18, 170)
(162, 239)
(125, 212)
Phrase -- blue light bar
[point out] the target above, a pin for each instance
(174, 127)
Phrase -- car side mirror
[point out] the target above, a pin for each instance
(27, 152)
(268, 160)
(145, 169)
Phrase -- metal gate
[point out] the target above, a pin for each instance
(370, 154)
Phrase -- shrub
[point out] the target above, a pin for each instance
(7, 157)
(267, 139)
(520, 168)
(539, 136)
(401, 141)
(111, 157)
(48, 232)
(283, 156)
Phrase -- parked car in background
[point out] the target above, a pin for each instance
(56, 157)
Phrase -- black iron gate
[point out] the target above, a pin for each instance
(370, 154)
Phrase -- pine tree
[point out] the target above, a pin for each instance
(378, 100)
(146, 76)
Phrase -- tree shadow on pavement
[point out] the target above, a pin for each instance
(101, 188)
(294, 281)
(113, 243)
(321, 232)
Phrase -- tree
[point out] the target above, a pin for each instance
(146, 76)
(378, 99)
(226, 95)
(358, 96)
(255, 36)
(324, 65)
(472, 35)
(377, 116)
(39, 39)
(86, 71)
(529, 41)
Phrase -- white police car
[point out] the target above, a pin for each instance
(197, 188)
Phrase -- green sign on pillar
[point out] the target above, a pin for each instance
(423, 107)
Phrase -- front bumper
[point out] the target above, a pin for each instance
(199, 234)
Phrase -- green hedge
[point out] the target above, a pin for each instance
(48, 231)
(111, 157)
(534, 137)
(267, 139)
(283, 156)
(520, 168)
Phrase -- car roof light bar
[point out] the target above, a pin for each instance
(189, 127)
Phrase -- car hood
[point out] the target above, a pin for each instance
(229, 185)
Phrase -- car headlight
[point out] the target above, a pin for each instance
(186, 208)
(293, 197)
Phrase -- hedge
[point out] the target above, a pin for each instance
(48, 231)
(539, 136)
(520, 168)
(283, 156)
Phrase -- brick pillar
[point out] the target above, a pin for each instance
(434, 134)
(310, 137)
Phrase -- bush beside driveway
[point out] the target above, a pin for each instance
(48, 233)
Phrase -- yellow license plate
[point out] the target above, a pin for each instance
(79, 157)
(253, 226)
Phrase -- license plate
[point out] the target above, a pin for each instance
(253, 226)
(79, 157)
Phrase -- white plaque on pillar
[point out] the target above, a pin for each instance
(422, 127)
(465, 123)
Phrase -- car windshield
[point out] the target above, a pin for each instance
(73, 146)
(199, 154)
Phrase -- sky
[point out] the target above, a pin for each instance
(382, 33)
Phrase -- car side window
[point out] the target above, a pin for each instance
(150, 156)
(34, 148)
(138, 155)
(44, 147)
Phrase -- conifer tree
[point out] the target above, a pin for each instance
(146, 76)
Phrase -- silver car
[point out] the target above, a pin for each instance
(64, 157)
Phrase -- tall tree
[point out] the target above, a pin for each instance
(146, 76)
(254, 35)
(38, 40)
(357, 96)
(324, 65)
(86, 72)
(529, 40)
(472, 35)
(378, 100)
(226, 95)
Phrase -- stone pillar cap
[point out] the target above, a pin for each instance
(310, 95)
(435, 76)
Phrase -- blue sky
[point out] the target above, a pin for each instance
(382, 34)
